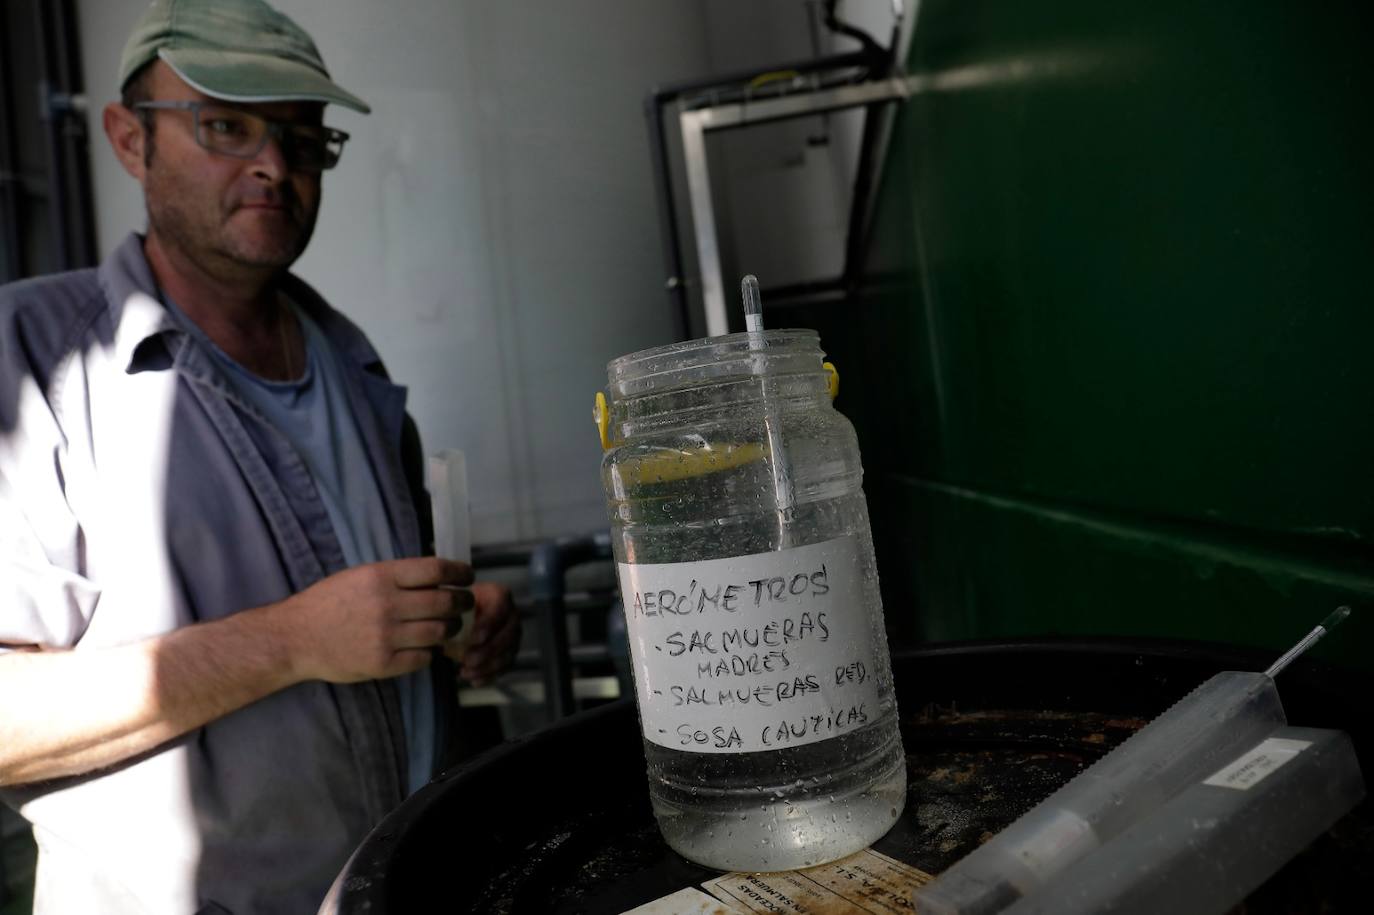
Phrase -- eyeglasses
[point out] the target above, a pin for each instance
(241, 134)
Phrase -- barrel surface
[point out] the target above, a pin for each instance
(560, 821)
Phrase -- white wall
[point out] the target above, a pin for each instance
(492, 225)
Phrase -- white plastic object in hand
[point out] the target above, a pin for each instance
(448, 496)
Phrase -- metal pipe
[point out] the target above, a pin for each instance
(549, 563)
(672, 91)
(674, 285)
(833, 22)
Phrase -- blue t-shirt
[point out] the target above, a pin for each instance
(313, 414)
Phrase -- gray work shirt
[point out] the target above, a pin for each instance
(140, 493)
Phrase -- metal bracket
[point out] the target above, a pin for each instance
(57, 105)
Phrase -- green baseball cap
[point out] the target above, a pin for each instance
(235, 50)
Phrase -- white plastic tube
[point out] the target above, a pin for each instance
(1205, 729)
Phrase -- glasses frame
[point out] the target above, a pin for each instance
(278, 130)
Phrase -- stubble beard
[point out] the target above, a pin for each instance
(204, 230)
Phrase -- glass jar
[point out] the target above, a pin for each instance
(751, 597)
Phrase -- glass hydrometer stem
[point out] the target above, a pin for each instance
(753, 305)
(1326, 625)
(781, 469)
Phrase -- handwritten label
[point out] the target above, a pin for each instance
(752, 653)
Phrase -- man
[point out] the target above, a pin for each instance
(219, 659)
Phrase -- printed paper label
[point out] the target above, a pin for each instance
(752, 653)
(865, 882)
(1254, 766)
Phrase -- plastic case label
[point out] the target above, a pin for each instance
(752, 653)
(1253, 767)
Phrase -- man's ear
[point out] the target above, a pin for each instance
(126, 134)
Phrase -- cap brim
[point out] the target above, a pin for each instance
(241, 76)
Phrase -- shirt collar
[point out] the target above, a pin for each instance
(138, 315)
(135, 311)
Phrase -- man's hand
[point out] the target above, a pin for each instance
(490, 647)
(373, 621)
(83, 710)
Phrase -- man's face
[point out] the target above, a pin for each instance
(220, 211)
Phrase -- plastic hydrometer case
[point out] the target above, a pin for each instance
(1218, 839)
(1209, 727)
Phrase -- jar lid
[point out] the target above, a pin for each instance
(692, 362)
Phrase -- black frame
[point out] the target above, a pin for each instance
(46, 203)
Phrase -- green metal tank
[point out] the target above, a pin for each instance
(1112, 364)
